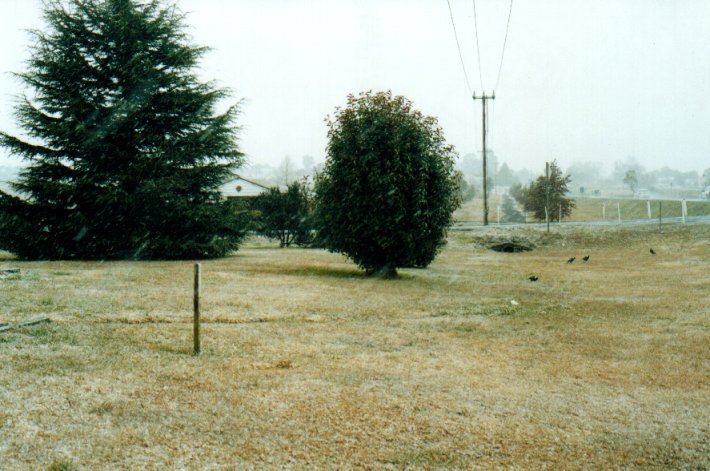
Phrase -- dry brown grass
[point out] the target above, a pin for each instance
(307, 363)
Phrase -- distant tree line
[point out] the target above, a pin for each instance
(631, 174)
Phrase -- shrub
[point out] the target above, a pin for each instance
(388, 190)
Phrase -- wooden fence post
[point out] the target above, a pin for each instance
(648, 206)
(196, 311)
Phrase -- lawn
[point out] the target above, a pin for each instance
(591, 209)
(306, 363)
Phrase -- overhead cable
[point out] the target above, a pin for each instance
(505, 41)
(458, 46)
(478, 48)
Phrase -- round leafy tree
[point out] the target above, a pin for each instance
(388, 190)
(125, 150)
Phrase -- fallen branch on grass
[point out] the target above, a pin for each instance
(33, 321)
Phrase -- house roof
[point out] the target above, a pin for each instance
(241, 187)
(237, 187)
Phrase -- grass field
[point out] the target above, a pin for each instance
(590, 209)
(306, 363)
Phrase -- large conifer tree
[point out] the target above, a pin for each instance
(125, 149)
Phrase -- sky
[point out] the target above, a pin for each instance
(602, 81)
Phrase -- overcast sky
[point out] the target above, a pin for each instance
(582, 80)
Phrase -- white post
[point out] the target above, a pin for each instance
(648, 206)
(683, 210)
(618, 209)
(499, 215)
(604, 211)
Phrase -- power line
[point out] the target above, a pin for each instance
(458, 46)
(478, 49)
(505, 41)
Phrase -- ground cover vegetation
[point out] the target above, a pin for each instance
(126, 151)
(308, 363)
(388, 190)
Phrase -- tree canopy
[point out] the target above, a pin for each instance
(388, 190)
(547, 195)
(510, 211)
(125, 148)
(631, 180)
(286, 215)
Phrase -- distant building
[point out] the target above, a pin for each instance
(241, 187)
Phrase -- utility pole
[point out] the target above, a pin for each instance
(547, 195)
(483, 99)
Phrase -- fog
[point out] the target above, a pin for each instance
(601, 82)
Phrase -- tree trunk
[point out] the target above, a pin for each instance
(386, 272)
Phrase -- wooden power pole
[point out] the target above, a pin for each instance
(483, 99)
(547, 195)
(196, 310)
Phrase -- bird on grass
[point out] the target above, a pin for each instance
(571, 259)
(652, 252)
(533, 278)
(586, 259)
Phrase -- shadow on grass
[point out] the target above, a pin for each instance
(308, 271)
(337, 273)
(171, 348)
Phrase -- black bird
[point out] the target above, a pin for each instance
(533, 278)
(652, 252)
(586, 259)
(571, 259)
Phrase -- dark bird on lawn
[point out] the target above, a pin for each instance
(586, 259)
(571, 259)
(652, 252)
(533, 278)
